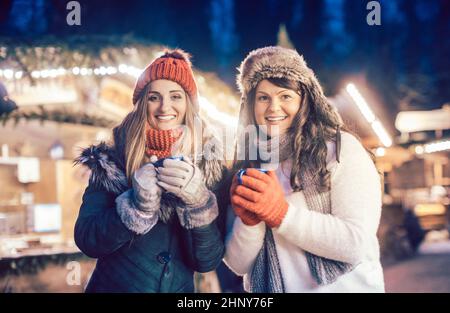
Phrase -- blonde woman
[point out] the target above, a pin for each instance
(149, 219)
(308, 221)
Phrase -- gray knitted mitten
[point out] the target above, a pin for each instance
(139, 207)
(185, 180)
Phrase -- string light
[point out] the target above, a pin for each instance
(376, 124)
(61, 71)
(361, 103)
(123, 68)
(135, 72)
(84, 71)
(9, 74)
(36, 74)
(110, 70)
(437, 146)
(53, 73)
(432, 147)
(382, 134)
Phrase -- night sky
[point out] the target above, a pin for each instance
(406, 59)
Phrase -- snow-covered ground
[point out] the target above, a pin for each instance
(427, 271)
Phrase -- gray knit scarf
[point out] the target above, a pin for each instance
(266, 276)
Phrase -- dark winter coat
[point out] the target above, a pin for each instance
(162, 260)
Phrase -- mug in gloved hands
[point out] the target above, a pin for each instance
(242, 172)
(183, 179)
(159, 163)
(147, 193)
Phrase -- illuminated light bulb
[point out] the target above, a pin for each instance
(57, 151)
(53, 73)
(135, 72)
(419, 150)
(380, 152)
(123, 68)
(9, 74)
(110, 70)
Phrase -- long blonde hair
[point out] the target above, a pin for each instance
(129, 136)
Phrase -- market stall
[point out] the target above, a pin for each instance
(69, 95)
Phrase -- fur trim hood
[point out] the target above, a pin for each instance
(108, 173)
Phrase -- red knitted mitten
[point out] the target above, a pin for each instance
(247, 217)
(263, 195)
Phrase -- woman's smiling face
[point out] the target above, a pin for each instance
(167, 103)
(275, 107)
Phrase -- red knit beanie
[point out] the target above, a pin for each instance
(173, 65)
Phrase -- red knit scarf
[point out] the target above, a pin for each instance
(160, 142)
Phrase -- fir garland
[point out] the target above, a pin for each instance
(56, 115)
(81, 51)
